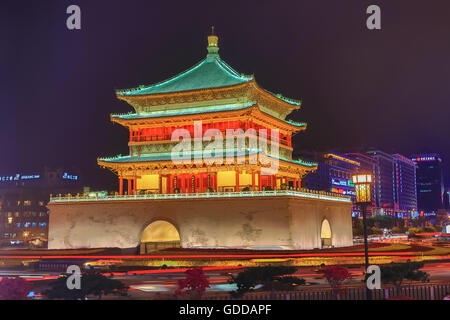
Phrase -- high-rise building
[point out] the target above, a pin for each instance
(334, 174)
(23, 213)
(394, 183)
(384, 193)
(405, 195)
(447, 198)
(341, 169)
(367, 163)
(430, 182)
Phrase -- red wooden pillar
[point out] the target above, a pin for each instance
(121, 185)
(200, 185)
(129, 186)
(259, 180)
(274, 182)
(182, 178)
(134, 185)
(237, 180)
(214, 181)
(253, 180)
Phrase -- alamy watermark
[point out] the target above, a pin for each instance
(211, 148)
(373, 277)
(74, 279)
(373, 22)
(73, 22)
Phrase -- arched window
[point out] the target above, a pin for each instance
(325, 234)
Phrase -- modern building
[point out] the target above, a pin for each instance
(394, 186)
(405, 196)
(384, 191)
(447, 198)
(430, 182)
(210, 166)
(334, 174)
(24, 215)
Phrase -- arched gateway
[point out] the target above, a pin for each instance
(159, 235)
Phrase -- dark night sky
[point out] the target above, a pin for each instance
(387, 89)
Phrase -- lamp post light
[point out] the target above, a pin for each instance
(363, 184)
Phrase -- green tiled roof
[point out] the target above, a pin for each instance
(180, 112)
(208, 73)
(168, 157)
(188, 111)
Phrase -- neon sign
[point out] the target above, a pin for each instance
(18, 177)
(347, 183)
(67, 176)
(428, 158)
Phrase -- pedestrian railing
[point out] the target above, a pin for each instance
(417, 292)
(301, 193)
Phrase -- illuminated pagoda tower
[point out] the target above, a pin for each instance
(221, 98)
(230, 190)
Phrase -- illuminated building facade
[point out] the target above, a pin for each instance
(394, 182)
(23, 199)
(405, 183)
(184, 184)
(334, 174)
(430, 182)
(384, 192)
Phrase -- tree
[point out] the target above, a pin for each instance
(271, 278)
(335, 276)
(194, 285)
(357, 227)
(14, 289)
(92, 283)
(395, 273)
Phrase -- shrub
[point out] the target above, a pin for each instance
(270, 277)
(194, 285)
(396, 230)
(92, 283)
(335, 275)
(375, 230)
(395, 273)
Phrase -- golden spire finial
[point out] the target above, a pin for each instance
(213, 41)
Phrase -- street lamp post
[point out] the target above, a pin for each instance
(363, 183)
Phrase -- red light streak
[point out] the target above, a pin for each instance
(205, 256)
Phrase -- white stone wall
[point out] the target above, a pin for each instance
(278, 222)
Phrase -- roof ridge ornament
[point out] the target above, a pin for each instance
(213, 48)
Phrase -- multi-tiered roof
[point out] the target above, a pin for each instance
(210, 91)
